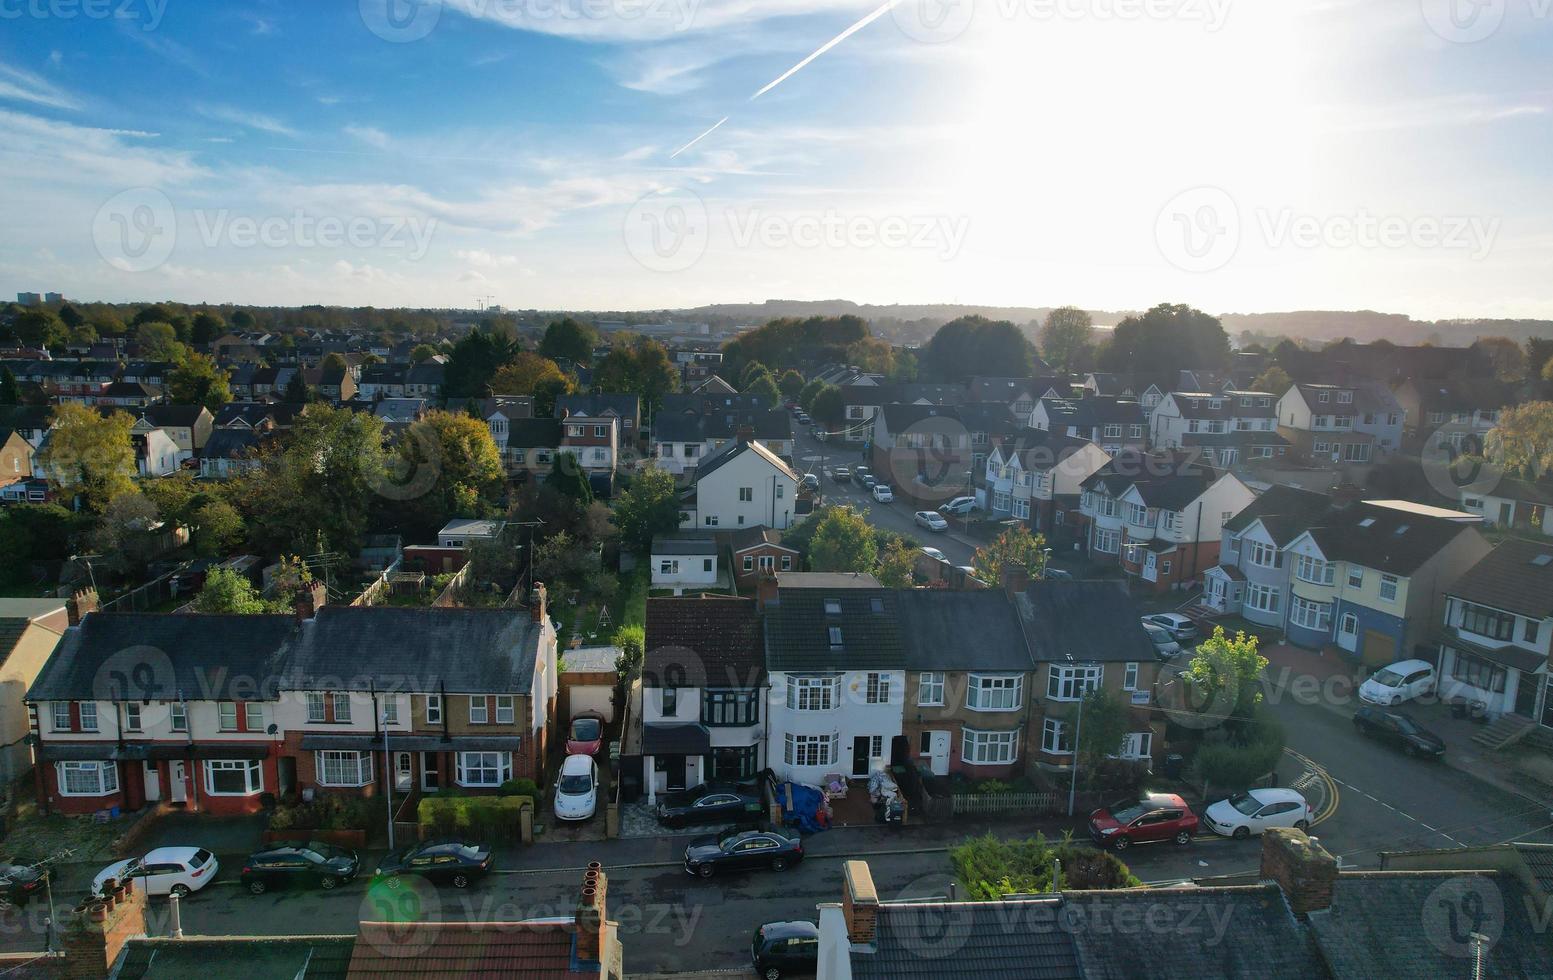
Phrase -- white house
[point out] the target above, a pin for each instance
(685, 561)
(156, 454)
(466, 532)
(1498, 624)
(744, 484)
(1026, 476)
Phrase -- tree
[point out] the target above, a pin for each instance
(296, 391)
(1106, 724)
(569, 340)
(526, 373)
(791, 384)
(421, 353)
(1539, 353)
(1547, 371)
(474, 360)
(158, 342)
(975, 345)
(198, 380)
(10, 393)
(243, 320)
(1275, 381)
(334, 363)
(1522, 442)
(842, 542)
(567, 478)
(207, 327)
(806, 396)
(83, 336)
(1065, 339)
(40, 328)
(314, 493)
(126, 533)
(1164, 340)
(1225, 675)
(1014, 548)
(217, 528)
(632, 641)
(752, 370)
(897, 562)
(793, 343)
(991, 867)
(762, 387)
(229, 592)
(70, 316)
(34, 533)
(155, 313)
(828, 405)
(461, 455)
(643, 369)
(648, 507)
(89, 455)
(1506, 356)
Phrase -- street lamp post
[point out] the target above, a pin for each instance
(1078, 733)
(388, 778)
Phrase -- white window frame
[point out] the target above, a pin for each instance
(433, 709)
(813, 751)
(1077, 680)
(1054, 732)
(178, 714)
(1311, 615)
(1389, 584)
(342, 707)
(1315, 571)
(106, 773)
(979, 747)
(225, 710)
(89, 721)
(390, 709)
(876, 688)
(1107, 542)
(994, 692)
(350, 768)
(1273, 594)
(813, 693)
(317, 714)
(252, 770)
(482, 716)
(1263, 555)
(1130, 676)
(491, 771)
(253, 716)
(506, 709)
(930, 689)
(60, 716)
(132, 720)
(1355, 578)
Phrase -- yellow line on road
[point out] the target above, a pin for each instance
(1333, 796)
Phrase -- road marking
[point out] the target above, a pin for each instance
(1332, 794)
(1404, 813)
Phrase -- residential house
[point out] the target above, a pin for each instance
(714, 385)
(401, 411)
(703, 694)
(1498, 620)
(1513, 504)
(1018, 394)
(151, 373)
(1336, 424)
(230, 453)
(501, 411)
(1027, 476)
(988, 425)
(156, 454)
(466, 532)
(30, 629)
(382, 381)
(1082, 636)
(1252, 579)
(743, 484)
(862, 400)
(689, 428)
(685, 561)
(1160, 516)
(239, 381)
(188, 426)
(15, 457)
(129, 394)
(31, 422)
(338, 384)
(1146, 390)
(968, 676)
(1227, 426)
(1457, 411)
(1114, 423)
(598, 405)
(837, 664)
(755, 553)
(529, 446)
(923, 451)
(1371, 578)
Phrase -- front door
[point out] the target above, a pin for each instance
(153, 782)
(177, 782)
(1348, 633)
(860, 747)
(1525, 695)
(938, 753)
(1150, 569)
(1506, 514)
(430, 773)
(676, 766)
(404, 772)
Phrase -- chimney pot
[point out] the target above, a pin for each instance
(82, 603)
(1301, 867)
(859, 902)
(536, 602)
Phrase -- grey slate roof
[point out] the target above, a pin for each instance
(1082, 621)
(980, 940)
(706, 641)
(230, 443)
(976, 630)
(683, 544)
(1507, 579)
(1284, 510)
(733, 450)
(534, 433)
(1395, 541)
(693, 739)
(797, 629)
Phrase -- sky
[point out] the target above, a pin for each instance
(1237, 155)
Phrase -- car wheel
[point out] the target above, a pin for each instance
(329, 883)
(705, 871)
(393, 881)
(1183, 837)
(182, 891)
(1120, 843)
(772, 973)
(1302, 825)
(460, 881)
(779, 864)
(257, 887)
(1241, 833)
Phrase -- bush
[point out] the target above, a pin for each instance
(483, 817)
(519, 787)
(990, 867)
(1236, 757)
(992, 787)
(329, 812)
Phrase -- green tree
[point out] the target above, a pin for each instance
(828, 405)
(88, 455)
(466, 464)
(243, 320)
(632, 641)
(752, 370)
(1506, 356)
(794, 343)
(569, 340)
(1015, 548)
(198, 380)
(158, 342)
(1547, 371)
(334, 363)
(34, 533)
(70, 316)
(207, 327)
(975, 345)
(421, 353)
(897, 562)
(1522, 442)
(1106, 723)
(1164, 340)
(84, 335)
(217, 528)
(1225, 675)
(1065, 339)
(842, 542)
(296, 391)
(155, 313)
(10, 393)
(527, 374)
(643, 369)
(315, 492)
(474, 360)
(229, 592)
(992, 867)
(806, 396)
(126, 533)
(568, 478)
(762, 387)
(791, 384)
(648, 507)
(40, 328)
(1275, 381)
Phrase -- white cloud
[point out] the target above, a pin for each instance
(54, 152)
(369, 135)
(638, 20)
(20, 85)
(248, 120)
(486, 260)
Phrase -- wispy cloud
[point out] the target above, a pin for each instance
(46, 150)
(19, 85)
(1447, 112)
(247, 120)
(370, 135)
(645, 21)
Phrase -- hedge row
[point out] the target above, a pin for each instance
(485, 817)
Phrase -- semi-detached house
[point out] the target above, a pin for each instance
(1498, 632)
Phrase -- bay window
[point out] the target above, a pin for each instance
(1315, 571)
(1311, 615)
(1487, 622)
(336, 768)
(1264, 555)
(1264, 598)
(233, 777)
(1107, 542)
(484, 768)
(986, 692)
(811, 750)
(733, 707)
(979, 748)
(88, 778)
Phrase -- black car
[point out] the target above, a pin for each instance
(709, 803)
(19, 883)
(786, 949)
(442, 862)
(1396, 728)
(302, 865)
(743, 850)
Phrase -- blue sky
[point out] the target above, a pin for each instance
(1240, 156)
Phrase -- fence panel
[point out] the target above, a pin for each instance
(984, 803)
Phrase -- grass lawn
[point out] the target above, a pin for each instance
(627, 608)
(34, 837)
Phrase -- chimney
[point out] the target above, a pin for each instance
(92, 935)
(310, 598)
(1299, 865)
(590, 914)
(536, 602)
(1016, 579)
(82, 603)
(746, 434)
(859, 903)
(766, 594)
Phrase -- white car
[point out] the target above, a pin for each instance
(1255, 810)
(164, 871)
(577, 791)
(1178, 626)
(931, 521)
(935, 554)
(1401, 681)
(959, 505)
(883, 493)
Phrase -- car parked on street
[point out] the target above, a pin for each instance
(1401, 681)
(1165, 645)
(586, 736)
(1178, 626)
(164, 871)
(841, 474)
(811, 481)
(1398, 730)
(1151, 819)
(1255, 810)
(743, 850)
(883, 493)
(577, 789)
(932, 521)
(786, 949)
(310, 864)
(1058, 575)
(441, 862)
(708, 803)
(20, 882)
(934, 554)
(959, 505)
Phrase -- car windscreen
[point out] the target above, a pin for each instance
(199, 859)
(1245, 803)
(1406, 725)
(1387, 678)
(470, 851)
(576, 784)
(1128, 812)
(585, 729)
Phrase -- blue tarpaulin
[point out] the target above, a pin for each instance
(803, 814)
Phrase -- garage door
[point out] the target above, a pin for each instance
(1379, 649)
(595, 698)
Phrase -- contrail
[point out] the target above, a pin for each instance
(698, 138)
(880, 12)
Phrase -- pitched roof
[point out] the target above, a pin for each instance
(534, 433)
(182, 416)
(1284, 511)
(192, 957)
(1082, 621)
(1517, 577)
(598, 405)
(991, 417)
(707, 640)
(941, 629)
(230, 443)
(798, 628)
(683, 544)
(734, 450)
(947, 940)
(537, 949)
(1387, 539)
(1042, 449)
(745, 538)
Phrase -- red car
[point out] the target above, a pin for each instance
(586, 736)
(1156, 817)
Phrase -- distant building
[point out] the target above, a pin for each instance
(29, 299)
